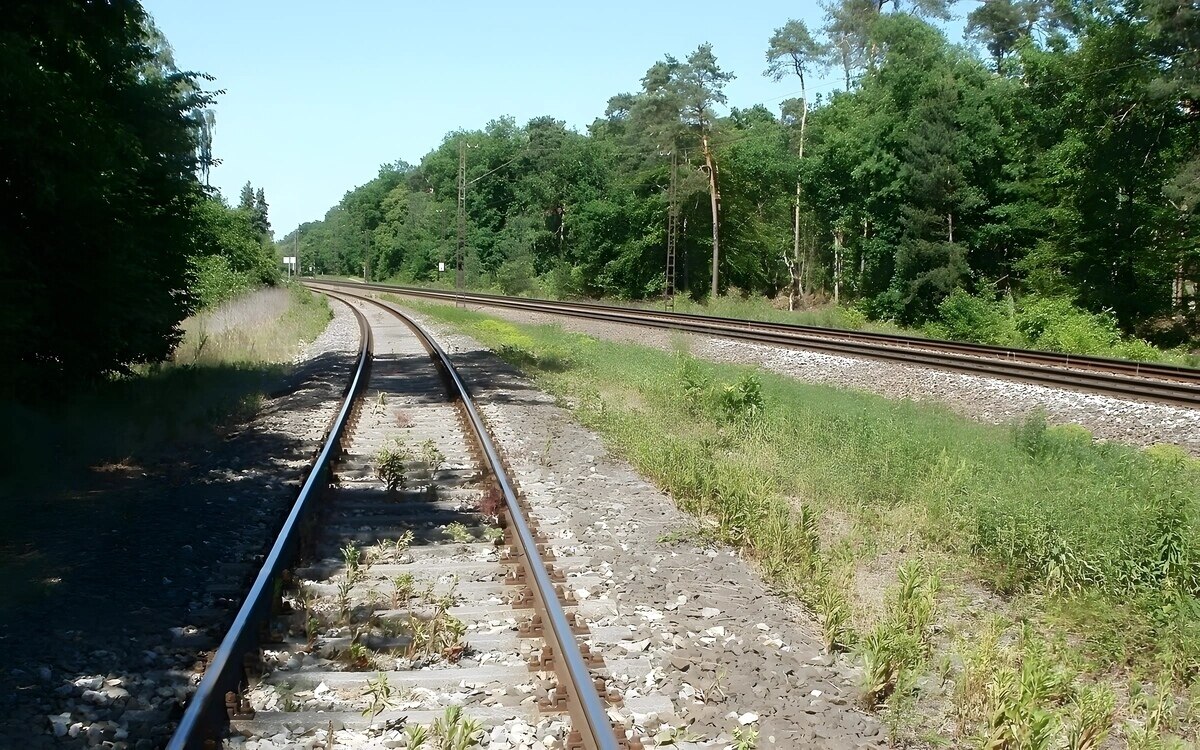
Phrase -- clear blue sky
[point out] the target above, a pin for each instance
(319, 94)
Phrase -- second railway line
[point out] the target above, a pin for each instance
(1174, 386)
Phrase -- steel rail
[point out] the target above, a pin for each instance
(1108, 364)
(1053, 359)
(1174, 392)
(205, 715)
(587, 709)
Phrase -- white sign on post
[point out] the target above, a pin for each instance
(289, 260)
(441, 267)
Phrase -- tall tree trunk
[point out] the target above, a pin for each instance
(714, 198)
(797, 278)
(837, 265)
(862, 258)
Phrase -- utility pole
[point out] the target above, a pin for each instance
(459, 274)
(296, 253)
(672, 232)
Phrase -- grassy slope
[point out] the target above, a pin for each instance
(1050, 581)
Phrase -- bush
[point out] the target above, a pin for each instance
(742, 400)
(214, 281)
(1056, 324)
(1049, 323)
(564, 281)
(515, 275)
(966, 317)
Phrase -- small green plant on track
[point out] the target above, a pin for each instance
(359, 655)
(402, 589)
(441, 636)
(459, 533)
(432, 456)
(454, 731)
(415, 735)
(379, 693)
(345, 606)
(389, 464)
(389, 550)
(352, 556)
(745, 738)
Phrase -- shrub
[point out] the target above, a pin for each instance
(965, 317)
(564, 281)
(742, 400)
(694, 383)
(214, 281)
(516, 275)
(1056, 324)
(389, 464)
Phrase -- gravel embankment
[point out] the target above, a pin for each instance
(150, 569)
(695, 641)
(992, 400)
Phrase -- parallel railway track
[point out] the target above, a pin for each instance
(409, 599)
(1177, 386)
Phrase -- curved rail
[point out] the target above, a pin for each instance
(586, 708)
(205, 714)
(1160, 383)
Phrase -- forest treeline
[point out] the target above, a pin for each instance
(1048, 167)
(109, 233)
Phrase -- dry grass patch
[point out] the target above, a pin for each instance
(266, 325)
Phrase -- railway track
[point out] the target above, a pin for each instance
(1177, 386)
(409, 592)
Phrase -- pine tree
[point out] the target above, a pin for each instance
(259, 214)
(246, 200)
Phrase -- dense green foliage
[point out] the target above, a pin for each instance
(1059, 166)
(101, 211)
(234, 251)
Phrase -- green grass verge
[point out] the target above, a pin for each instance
(913, 533)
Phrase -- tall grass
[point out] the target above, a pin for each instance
(266, 325)
(1100, 541)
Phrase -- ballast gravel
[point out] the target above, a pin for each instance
(105, 657)
(992, 400)
(693, 640)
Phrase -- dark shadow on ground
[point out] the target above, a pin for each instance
(120, 513)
